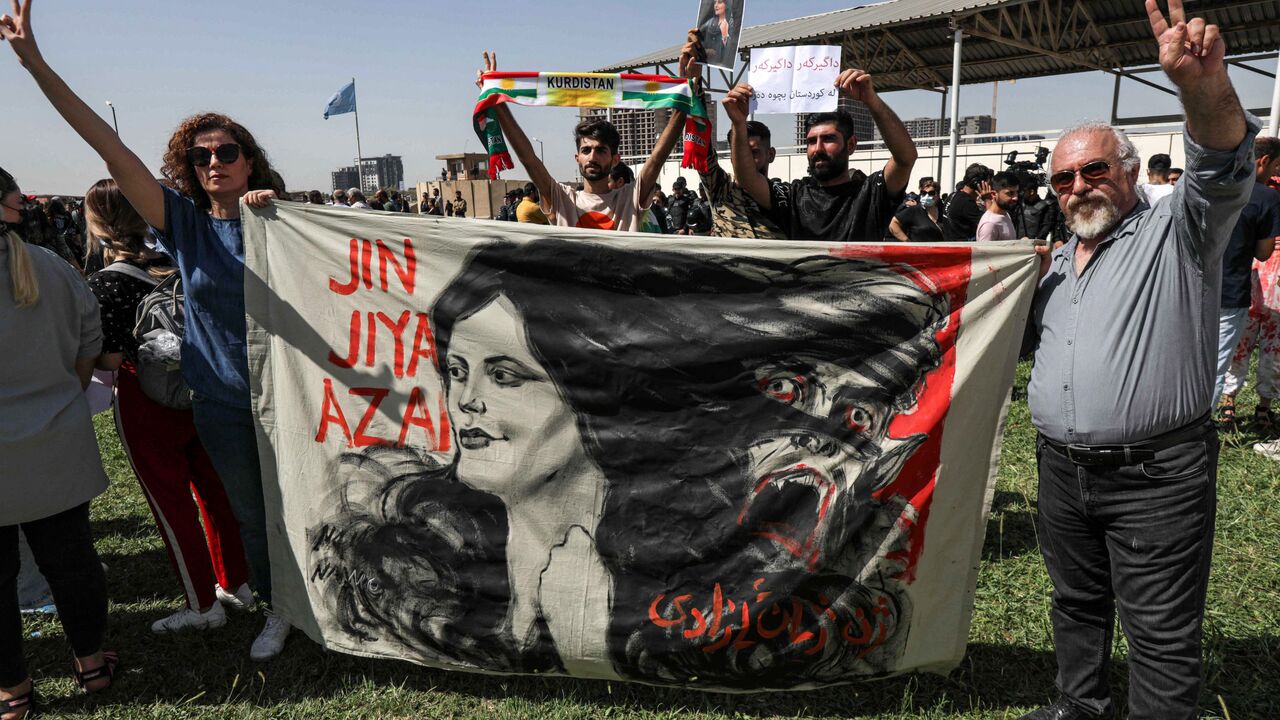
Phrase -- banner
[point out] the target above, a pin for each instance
(708, 463)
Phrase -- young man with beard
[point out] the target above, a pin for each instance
(996, 223)
(596, 144)
(1124, 326)
(733, 212)
(829, 204)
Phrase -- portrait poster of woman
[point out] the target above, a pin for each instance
(522, 450)
(642, 443)
(720, 26)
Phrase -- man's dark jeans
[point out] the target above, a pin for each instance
(1137, 539)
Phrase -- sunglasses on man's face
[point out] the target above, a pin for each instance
(1093, 173)
(201, 156)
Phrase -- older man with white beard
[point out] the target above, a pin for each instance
(1125, 321)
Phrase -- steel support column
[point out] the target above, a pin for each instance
(942, 119)
(1275, 103)
(955, 111)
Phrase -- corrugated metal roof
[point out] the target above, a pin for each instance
(813, 28)
(923, 27)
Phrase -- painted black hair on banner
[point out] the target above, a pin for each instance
(657, 354)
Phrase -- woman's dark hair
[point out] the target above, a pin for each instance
(656, 353)
(422, 564)
(179, 171)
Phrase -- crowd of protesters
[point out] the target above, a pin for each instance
(1116, 404)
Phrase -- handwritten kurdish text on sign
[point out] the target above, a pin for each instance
(795, 79)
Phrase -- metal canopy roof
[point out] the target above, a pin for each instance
(908, 44)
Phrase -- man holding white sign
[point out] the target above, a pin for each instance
(829, 205)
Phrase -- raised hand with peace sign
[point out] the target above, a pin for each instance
(1191, 54)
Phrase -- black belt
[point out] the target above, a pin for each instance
(1133, 453)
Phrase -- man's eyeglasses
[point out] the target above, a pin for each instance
(1094, 172)
(226, 153)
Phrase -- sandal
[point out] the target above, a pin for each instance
(1227, 411)
(24, 704)
(106, 670)
(1264, 419)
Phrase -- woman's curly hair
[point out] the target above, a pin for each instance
(179, 171)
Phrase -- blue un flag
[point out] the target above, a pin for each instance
(343, 101)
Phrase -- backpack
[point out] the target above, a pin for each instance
(159, 331)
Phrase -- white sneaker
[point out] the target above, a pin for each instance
(240, 601)
(186, 620)
(270, 641)
(1269, 450)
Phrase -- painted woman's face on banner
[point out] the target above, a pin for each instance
(811, 480)
(514, 430)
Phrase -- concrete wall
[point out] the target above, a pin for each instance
(483, 197)
(793, 164)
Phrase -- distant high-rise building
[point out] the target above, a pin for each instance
(344, 178)
(381, 172)
(864, 126)
(926, 127)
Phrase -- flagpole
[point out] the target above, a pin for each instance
(359, 154)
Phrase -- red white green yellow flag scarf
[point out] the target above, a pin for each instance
(604, 90)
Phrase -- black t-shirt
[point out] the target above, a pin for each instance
(918, 226)
(1259, 219)
(963, 214)
(118, 295)
(856, 211)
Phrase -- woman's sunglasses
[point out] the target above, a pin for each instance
(226, 153)
(1094, 172)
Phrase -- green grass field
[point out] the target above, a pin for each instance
(1009, 668)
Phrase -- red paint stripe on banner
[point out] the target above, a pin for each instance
(946, 270)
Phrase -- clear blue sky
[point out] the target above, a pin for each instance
(272, 65)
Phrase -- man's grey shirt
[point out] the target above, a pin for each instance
(1127, 350)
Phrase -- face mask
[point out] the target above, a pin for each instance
(926, 201)
(24, 215)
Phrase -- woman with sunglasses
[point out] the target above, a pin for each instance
(211, 163)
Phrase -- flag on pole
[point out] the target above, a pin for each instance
(343, 101)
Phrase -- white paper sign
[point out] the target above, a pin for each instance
(798, 79)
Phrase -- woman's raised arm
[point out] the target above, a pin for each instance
(135, 180)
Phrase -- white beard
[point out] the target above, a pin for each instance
(1091, 216)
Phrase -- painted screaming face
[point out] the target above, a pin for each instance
(514, 430)
(811, 480)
